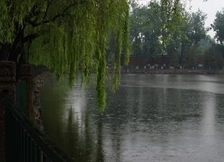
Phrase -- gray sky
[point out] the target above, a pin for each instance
(209, 7)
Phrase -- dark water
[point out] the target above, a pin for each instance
(152, 118)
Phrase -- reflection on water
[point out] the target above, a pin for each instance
(151, 118)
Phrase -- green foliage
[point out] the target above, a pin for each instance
(145, 30)
(68, 36)
(158, 29)
(196, 25)
(213, 57)
(218, 26)
(165, 28)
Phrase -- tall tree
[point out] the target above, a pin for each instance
(197, 29)
(153, 27)
(152, 46)
(65, 35)
(195, 32)
(138, 18)
(213, 57)
(178, 36)
(218, 26)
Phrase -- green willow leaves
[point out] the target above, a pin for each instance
(68, 36)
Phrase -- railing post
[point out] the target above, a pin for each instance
(7, 93)
(26, 73)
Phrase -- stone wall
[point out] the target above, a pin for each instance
(8, 94)
(38, 83)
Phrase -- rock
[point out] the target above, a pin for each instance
(38, 83)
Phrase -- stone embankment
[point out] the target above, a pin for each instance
(173, 71)
(38, 83)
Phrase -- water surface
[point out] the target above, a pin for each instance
(156, 118)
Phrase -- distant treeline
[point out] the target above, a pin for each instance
(178, 38)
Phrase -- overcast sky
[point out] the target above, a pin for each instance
(210, 7)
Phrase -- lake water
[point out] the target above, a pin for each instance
(152, 118)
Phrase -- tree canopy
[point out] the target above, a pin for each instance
(68, 36)
(156, 31)
(218, 26)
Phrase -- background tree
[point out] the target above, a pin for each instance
(195, 32)
(213, 57)
(152, 46)
(159, 30)
(218, 26)
(138, 29)
(177, 37)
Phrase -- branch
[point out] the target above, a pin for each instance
(62, 14)
(48, 6)
(30, 37)
(33, 13)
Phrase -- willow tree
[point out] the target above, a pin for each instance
(68, 36)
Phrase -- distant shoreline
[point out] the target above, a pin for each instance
(172, 71)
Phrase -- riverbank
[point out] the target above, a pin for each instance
(172, 71)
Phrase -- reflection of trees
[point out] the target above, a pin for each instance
(81, 144)
(116, 141)
(51, 97)
(72, 135)
(67, 134)
(89, 143)
(209, 115)
(100, 151)
(220, 107)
